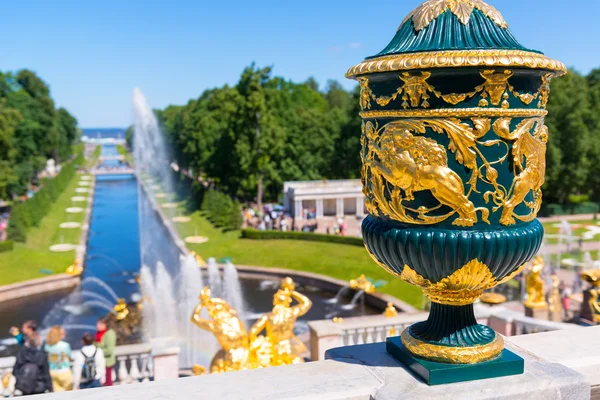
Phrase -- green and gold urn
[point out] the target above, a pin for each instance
(454, 156)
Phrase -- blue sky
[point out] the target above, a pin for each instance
(93, 53)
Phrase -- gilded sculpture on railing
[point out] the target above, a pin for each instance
(593, 278)
(536, 295)
(249, 350)
(229, 330)
(278, 325)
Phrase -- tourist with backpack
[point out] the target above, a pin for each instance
(31, 370)
(89, 366)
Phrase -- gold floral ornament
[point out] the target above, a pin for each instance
(416, 88)
(463, 287)
(462, 9)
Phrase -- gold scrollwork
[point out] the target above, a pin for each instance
(458, 58)
(463, 287)
(462, 9)
(416, 88)
(454, 355)
(397, 163)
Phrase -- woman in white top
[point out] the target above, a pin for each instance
(89, 366)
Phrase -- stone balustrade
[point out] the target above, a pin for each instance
(327, 334)
(513, 323)
(134, 365)
(558, 365)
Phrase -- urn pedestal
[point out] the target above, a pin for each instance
(453, 153)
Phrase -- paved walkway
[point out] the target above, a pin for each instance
(558, 248)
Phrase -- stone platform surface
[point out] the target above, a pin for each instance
(541, 380)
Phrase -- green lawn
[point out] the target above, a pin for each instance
(336, 260)
(27, 260)
(550, 229)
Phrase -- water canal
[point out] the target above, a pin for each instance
(126, 232)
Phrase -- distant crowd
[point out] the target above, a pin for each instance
(47, 364)
(274, 217)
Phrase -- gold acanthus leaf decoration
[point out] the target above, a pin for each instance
(463, 287)
(462, 9)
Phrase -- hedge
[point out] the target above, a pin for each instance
(7, 245)
(315, 237)
(30, 212)
(222, 211)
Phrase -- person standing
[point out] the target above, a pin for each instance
(59, 359)
(29, 332)
(31, 370)
(106, 339)
(89, 365)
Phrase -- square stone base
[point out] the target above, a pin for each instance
(435, 373)
(537, 313)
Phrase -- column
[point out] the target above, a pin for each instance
(339, 207)
(360, 206)
(298, 209)
(319, 208)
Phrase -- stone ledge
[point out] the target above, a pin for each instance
(35, 286)
(541, 380)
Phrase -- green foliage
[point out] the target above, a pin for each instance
(222, 211)
(30, 212)
(266, 126)
(32, 130)
(7, 245)
(315, 237)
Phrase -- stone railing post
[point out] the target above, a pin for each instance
(165, 359)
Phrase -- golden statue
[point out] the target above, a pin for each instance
(121, 310)
(535, 285)
(76, 269)
(242, 350)
(285, 347)
(198, 370)
(362, 283)
(593, 277)
(554, 301)
(229, 330)
(390, 311)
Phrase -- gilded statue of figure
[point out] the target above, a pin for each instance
(362, 283)
(76, 269)
(121, 310)
(285, 347)
(535, 285)
(530, 150)
(229, 330)
(416, 163)
(594, 303)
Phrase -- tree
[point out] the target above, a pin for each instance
(568, 123)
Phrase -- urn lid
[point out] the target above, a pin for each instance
(454, 33)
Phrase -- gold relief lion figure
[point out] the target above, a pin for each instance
(528, 149)
(416, 163)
